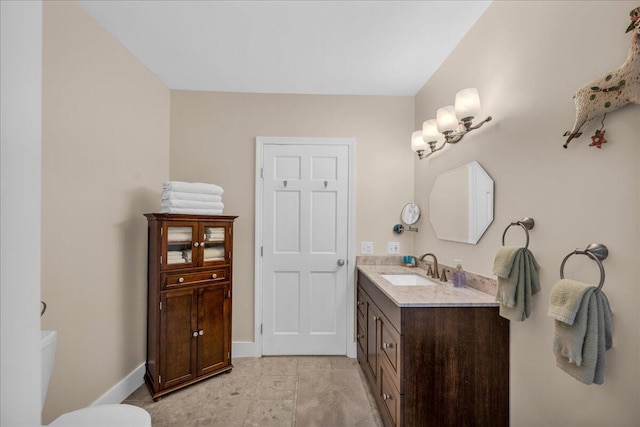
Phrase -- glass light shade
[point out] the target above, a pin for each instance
(467, 103)
(417, 143)
(430, 131)
(446, 119)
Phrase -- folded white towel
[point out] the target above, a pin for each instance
(192, 187)
(179, 237)
(214, 252)
(178, 195)
(191, 211)
(190, 204)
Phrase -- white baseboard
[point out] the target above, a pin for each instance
(123, 388)
(245, 349)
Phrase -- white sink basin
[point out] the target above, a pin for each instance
(407, 280)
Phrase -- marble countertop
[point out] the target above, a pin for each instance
(440, 295)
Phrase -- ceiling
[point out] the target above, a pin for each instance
(305, 47)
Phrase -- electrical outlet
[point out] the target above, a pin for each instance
(393, 247)
(366, 248)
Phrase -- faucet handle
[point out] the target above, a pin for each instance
(444, 275)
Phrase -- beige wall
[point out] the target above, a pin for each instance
(105, 153)
(527, 59)
(213, 140)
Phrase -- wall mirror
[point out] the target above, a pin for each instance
(461, 203)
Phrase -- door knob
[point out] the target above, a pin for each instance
(340, 262)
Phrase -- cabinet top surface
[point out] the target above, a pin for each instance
(439, 295)
(184, 217)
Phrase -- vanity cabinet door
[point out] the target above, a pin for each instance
(373, 339)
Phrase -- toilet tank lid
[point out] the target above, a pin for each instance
(47, 338)
(121, 415)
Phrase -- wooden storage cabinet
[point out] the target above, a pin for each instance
(433, 366)
(189, 300)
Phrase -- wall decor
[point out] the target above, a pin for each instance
(611, 91)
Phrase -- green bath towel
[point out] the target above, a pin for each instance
(580, 349)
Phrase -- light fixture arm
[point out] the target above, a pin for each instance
(451, 137)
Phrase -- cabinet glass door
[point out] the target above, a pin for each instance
(179, 251)
(214, 244)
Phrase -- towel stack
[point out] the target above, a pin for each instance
(193, 198)
(583, 331)
(517, 272)
(214, 234)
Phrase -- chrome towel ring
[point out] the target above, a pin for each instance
(526, 223)
(597, 252)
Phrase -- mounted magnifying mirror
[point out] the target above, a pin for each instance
(409, 216)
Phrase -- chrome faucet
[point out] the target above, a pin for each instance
(434, 272)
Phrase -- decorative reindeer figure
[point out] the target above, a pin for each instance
(611, 91)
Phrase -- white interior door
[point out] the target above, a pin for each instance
(305, 239)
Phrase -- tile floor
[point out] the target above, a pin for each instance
(322, 391)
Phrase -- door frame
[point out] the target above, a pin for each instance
(261, 141)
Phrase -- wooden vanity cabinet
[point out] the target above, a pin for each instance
(189, 300)
(433, 366)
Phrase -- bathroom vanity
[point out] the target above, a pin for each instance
(433, 355)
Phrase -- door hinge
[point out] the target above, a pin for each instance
(159, 379)
(260, 328)
(261, 250)
(228, 355)
(261, 172)
(160, 259)
(229, 254)
(161, 231)
(160, 305)
(229, 293)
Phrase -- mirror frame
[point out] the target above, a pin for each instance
(405, 212)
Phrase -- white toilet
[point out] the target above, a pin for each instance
(94, 416)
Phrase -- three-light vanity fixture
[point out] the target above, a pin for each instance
(450, 125)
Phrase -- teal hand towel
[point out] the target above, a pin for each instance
(565, 299)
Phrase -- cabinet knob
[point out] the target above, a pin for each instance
(385, 345)
(386, 396)
(375, 318)
(359, 302)
(200, 332)
(360, 336)
(180, 280)
(196, 244)
(195, 334)
(202, 244)
(214, 276)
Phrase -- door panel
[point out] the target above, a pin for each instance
(178, 349)
(305, 216)
(213, 346)
(179, 249)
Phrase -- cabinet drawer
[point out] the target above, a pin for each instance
(390, 348)
(172, 281)
(390, 396)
